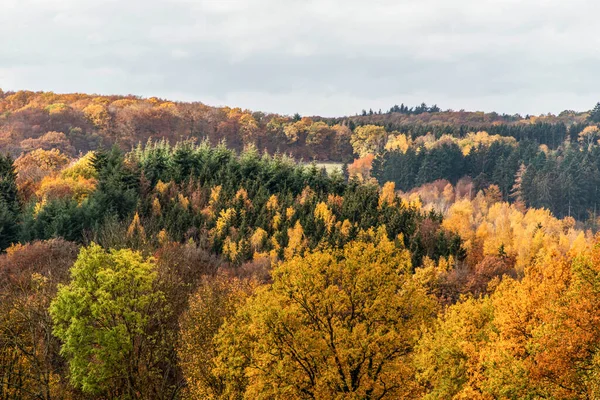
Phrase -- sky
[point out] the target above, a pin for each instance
(322, 57)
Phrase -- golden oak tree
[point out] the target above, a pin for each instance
(334, 324)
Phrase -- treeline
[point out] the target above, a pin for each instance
(77, 123)
(241, 206)
(550, 134)
(402, 109)
(564, 181)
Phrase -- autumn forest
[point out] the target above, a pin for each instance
(153, 249)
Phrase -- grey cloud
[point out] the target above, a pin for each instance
(317, 57)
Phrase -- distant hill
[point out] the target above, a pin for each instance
(78, 122)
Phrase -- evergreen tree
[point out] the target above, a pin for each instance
(9, 193)
(595, 113)
(10, 205)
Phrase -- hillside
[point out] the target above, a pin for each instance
(79, 122)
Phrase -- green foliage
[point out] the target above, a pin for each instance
(59, 218)
(276, 279)
(118, 184)
(10, 205)
(566, 180)
(595, 114)
(105, 318)
(180, 203)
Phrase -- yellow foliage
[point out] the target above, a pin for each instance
(97, 114)
(486, 225)
(368, 139)
(276, 221)
(230, 249)
(83, 167)
(216, 300)
(289, 213)
(162, 187)
(272, 203)
(224, 221)
(323, 213)
(163, 237)
(183, 201)
(399, 142)
(387, 196)
(346, 227)
(242, 196)
(136, 230)
(156, 208)
(258, 239)
(215, 194)
(57, 108)
(334, 324)
(297, 242)
(53, 187)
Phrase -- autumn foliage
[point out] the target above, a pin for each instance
(440, 262)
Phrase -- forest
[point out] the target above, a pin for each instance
(152, 249)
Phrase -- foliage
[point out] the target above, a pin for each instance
(454, 259)
(334, 324)
(29, 353)
(10, 204)
(216, 299)
(108, 318)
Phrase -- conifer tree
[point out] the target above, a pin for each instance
(10, 205)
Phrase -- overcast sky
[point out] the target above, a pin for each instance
(326, 57)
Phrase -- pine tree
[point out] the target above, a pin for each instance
(9, 193)
(10, 205)
(595, 114)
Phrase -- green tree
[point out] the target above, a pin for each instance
(595, 113)
(109, 318)
(10, 206)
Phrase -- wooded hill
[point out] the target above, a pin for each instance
(154, 250)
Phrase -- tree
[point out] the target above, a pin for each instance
(368, 139)
(30, 364)
(10, 205)
(217, 298)
(517, 189)
(448, 355)
(589, 136)
(49, 141)
(595, 114)
(334, 324)
(109, 319)
(33, 167)
(118, 183)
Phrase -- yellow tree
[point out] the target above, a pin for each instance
(216, 299)
(334, 324)
(368, 139)
(532, 338)
(448, 356)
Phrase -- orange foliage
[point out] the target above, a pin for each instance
(361, 168)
